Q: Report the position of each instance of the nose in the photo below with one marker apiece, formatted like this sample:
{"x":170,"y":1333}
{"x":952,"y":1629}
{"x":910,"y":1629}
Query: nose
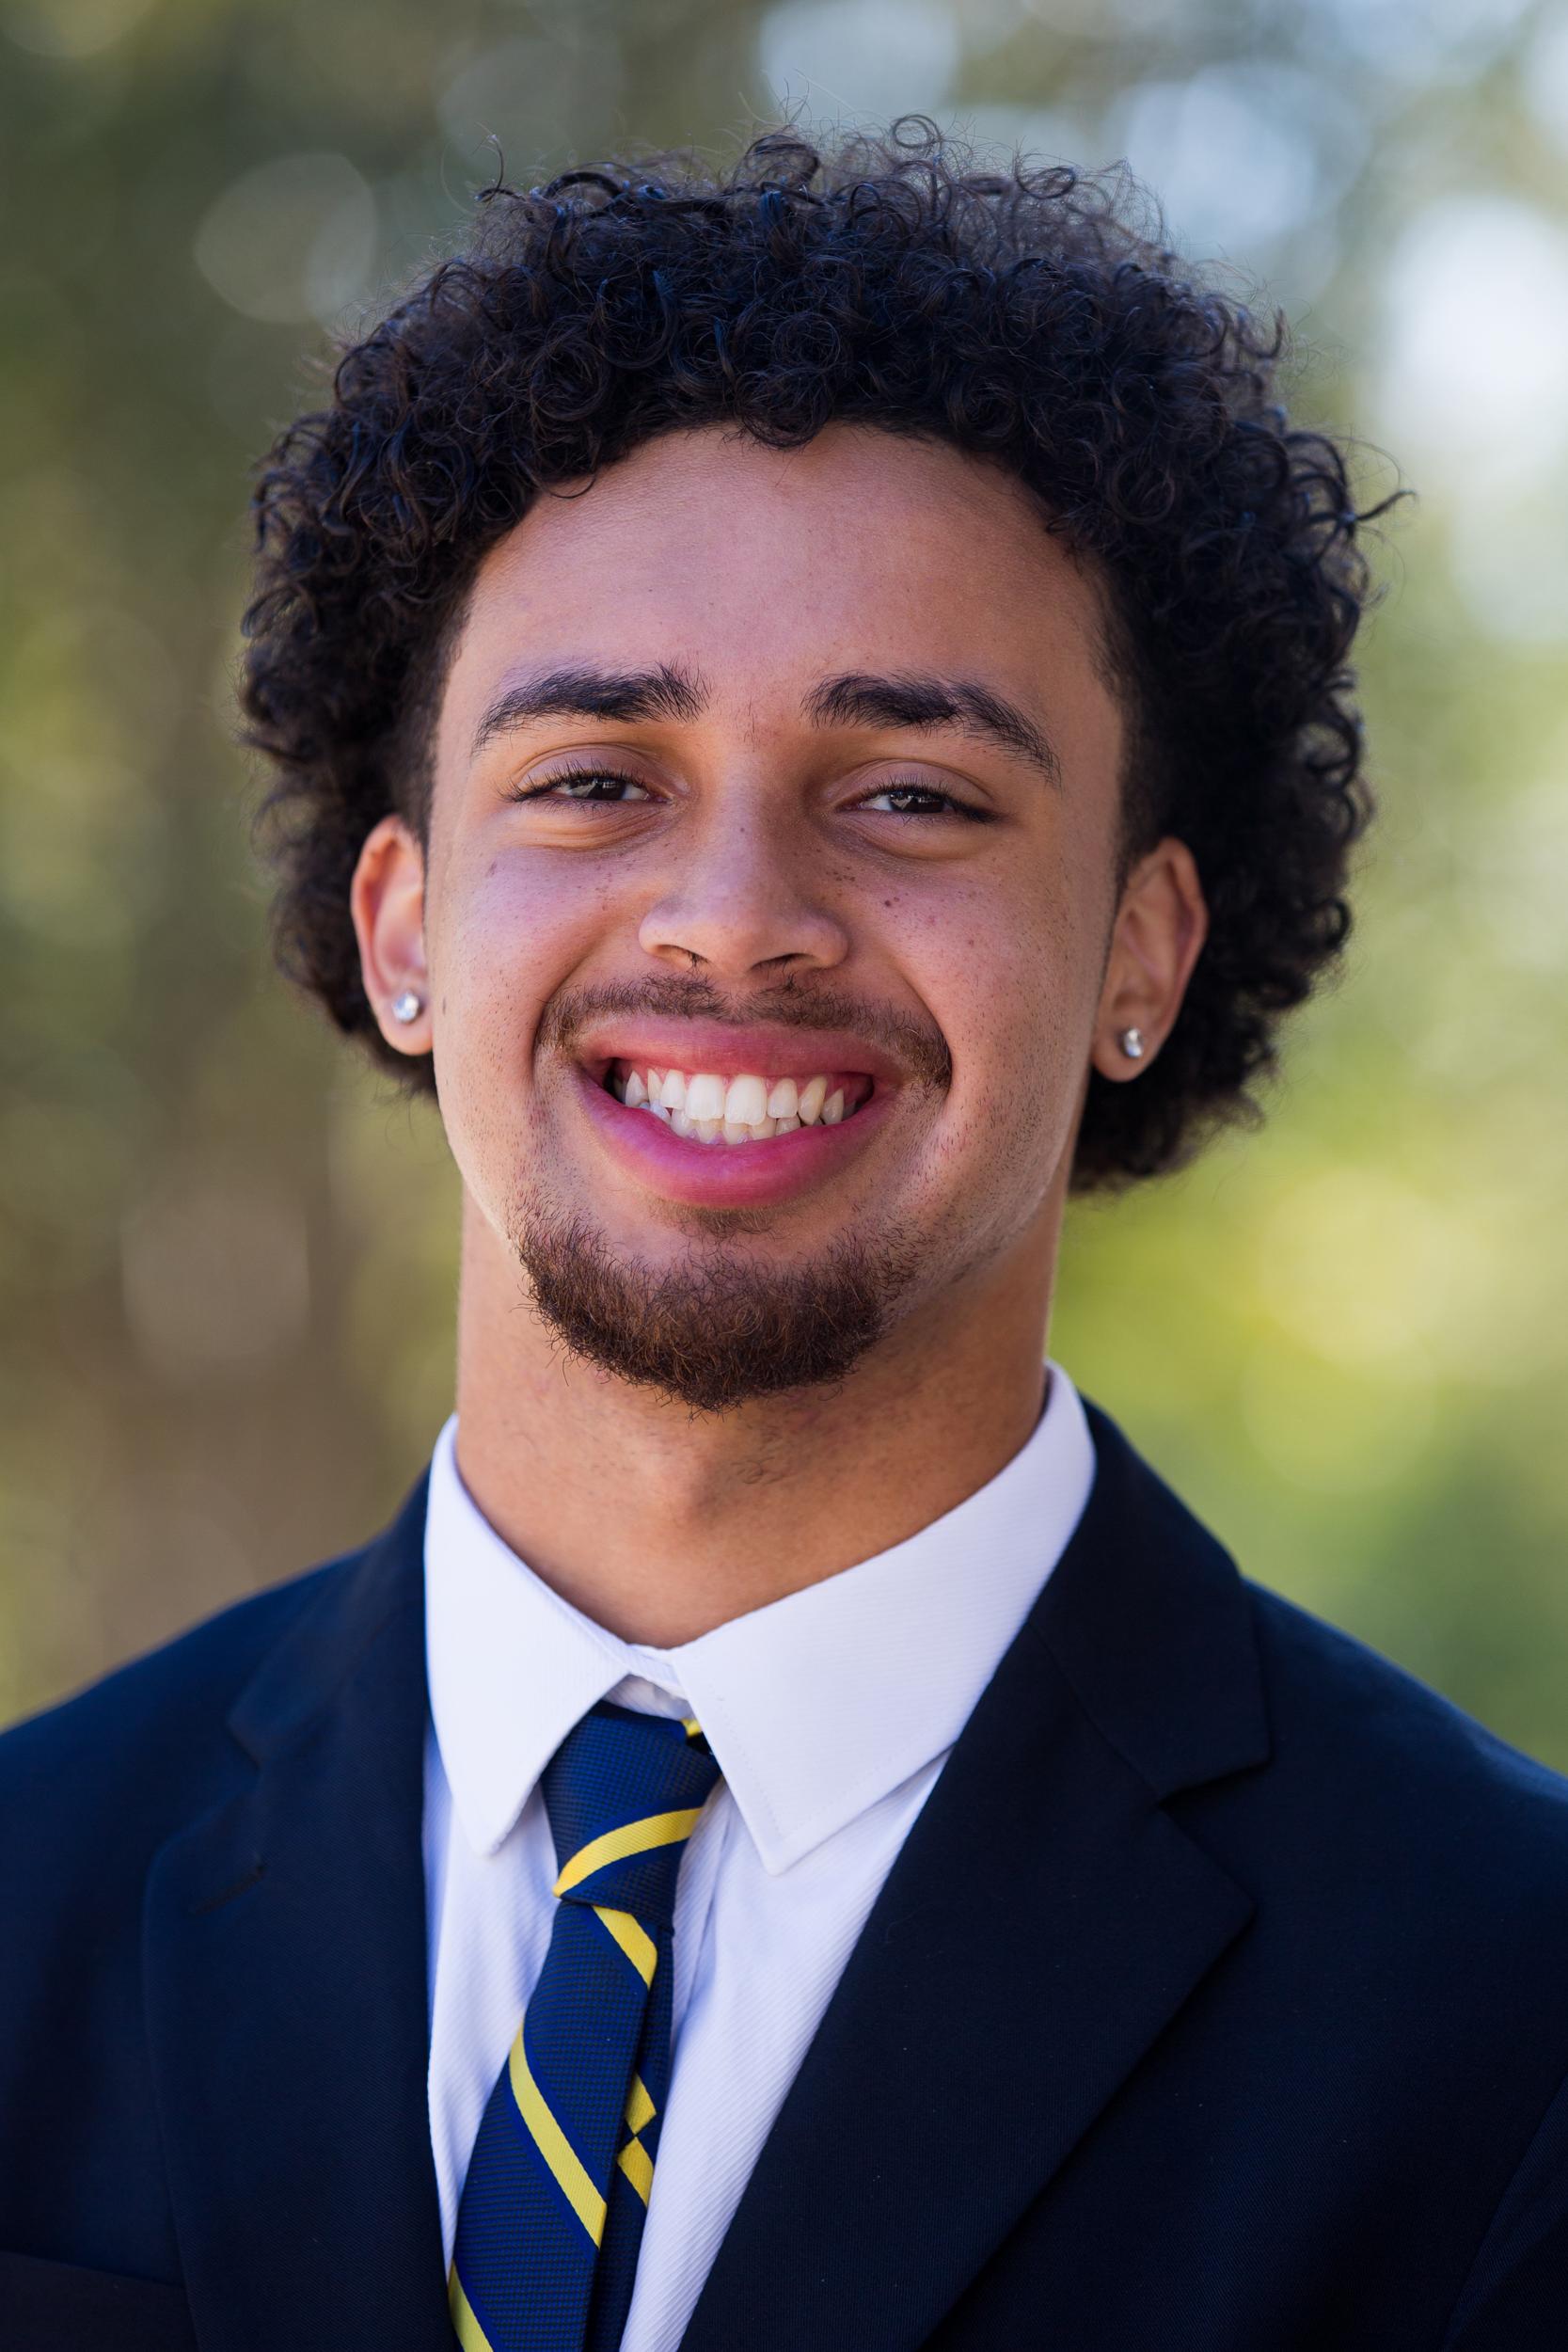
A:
{"x":744,"y":903}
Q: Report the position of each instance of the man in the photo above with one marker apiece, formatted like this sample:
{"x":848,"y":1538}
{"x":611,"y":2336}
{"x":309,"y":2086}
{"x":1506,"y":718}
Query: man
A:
{"x":811,"y":710}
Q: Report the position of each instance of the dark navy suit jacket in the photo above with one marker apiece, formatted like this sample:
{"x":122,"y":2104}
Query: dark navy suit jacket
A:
{"x":1217,"y":2002}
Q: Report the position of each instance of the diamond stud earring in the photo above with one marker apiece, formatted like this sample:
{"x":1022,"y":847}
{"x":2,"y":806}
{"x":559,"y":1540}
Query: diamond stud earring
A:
{"x":407,"y":1007}
{"x":1132,"y":1044}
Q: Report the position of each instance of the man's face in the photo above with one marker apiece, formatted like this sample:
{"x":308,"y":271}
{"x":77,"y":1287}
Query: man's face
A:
{"x":784,"y":783}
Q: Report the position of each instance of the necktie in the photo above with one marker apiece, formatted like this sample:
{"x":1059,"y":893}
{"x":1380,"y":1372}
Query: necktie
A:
{"x":551,"y":2214}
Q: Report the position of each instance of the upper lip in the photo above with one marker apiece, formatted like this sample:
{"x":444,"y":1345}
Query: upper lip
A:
{"x":766,"y":1050}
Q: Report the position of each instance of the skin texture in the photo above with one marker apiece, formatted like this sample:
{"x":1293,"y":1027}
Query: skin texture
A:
{"x":760,"y":878}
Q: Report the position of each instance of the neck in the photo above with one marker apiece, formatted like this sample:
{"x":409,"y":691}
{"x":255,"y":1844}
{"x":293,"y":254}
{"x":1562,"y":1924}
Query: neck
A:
{"x":659,"y":1524}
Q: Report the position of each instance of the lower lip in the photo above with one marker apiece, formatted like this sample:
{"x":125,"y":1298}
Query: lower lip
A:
{"x":724,"y":1175}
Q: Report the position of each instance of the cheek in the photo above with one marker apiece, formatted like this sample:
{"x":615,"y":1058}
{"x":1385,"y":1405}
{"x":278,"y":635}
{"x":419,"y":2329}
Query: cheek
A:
{"x":511,"y":931}
{"x":1012,"y":988}
{"x":514,"y":927}
{"x":1013,"y":984}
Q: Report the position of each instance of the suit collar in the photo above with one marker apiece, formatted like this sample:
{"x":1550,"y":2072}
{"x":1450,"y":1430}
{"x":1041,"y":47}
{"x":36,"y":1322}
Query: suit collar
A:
{"x":1043,"y":1926}
{"x":286,"y":2008}
{"x":1151,"y":1623}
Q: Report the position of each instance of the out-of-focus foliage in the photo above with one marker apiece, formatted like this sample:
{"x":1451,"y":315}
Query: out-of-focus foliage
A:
{"x":227,"y":1259}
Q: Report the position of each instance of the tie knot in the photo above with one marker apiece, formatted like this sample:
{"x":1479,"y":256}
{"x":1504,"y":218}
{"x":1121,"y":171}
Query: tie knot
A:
{"x":623,"y":1792}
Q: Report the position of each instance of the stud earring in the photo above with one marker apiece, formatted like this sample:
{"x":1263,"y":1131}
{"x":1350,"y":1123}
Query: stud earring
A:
{"x":407,"y":1007}
{"x":1132,"y":1044}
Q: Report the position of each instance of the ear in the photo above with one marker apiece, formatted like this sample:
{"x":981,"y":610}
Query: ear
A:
{"x":1158,"y":937}
{"x":387,"y":900}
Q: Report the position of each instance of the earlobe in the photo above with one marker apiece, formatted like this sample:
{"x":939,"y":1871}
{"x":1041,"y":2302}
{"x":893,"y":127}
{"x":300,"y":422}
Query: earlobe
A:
{"x":1160,"y":927}
{"x":387,"y":902}
{"x":1120,"y":1053}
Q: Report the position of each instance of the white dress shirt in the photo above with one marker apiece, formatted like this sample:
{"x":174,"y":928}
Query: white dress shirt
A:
{"x":831,"y":1713}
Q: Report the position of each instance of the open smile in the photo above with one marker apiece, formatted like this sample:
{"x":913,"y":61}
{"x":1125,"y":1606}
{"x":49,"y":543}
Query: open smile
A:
{"x":733,"y":1120}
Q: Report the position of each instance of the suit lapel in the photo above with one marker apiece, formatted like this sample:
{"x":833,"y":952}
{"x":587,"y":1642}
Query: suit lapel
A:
{"x":287,"y":1996}
{"x":1043,"y":1923}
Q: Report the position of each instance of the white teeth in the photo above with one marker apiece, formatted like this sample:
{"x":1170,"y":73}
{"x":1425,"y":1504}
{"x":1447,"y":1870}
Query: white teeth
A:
{"x":746,"y":1110}
{"x":746,"y":1100}
{"x":705,"y":1095}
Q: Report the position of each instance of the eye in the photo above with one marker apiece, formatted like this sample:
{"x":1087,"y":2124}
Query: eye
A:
{"x":923,"y":800}
{"x":594,"y":785}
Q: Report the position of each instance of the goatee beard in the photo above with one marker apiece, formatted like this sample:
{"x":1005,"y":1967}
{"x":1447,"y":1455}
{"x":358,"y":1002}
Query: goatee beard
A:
{"x":715,"y":1330}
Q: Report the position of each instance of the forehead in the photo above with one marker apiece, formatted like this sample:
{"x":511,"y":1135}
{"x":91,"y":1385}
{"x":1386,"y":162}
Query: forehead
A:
{"x":765,"y":569}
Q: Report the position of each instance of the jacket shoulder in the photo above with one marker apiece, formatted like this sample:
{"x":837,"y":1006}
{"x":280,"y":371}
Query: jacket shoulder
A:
{"x":1318,"y":1668}
{"x":1390,"y":1761}
{"x":97,"y":1780}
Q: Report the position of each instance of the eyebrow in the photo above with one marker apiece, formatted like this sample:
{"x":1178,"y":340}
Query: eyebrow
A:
{"x":909,"y":700}
{"x":582,"y":693}
{"x":855,"y":698}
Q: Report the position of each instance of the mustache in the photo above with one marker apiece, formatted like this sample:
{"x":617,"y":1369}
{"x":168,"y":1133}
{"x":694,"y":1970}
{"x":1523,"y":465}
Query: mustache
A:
{"x":918,"y":1044}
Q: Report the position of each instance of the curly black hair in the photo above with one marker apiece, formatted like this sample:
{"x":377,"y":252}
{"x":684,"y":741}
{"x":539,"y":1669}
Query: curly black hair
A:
{"x":1020,"y":314}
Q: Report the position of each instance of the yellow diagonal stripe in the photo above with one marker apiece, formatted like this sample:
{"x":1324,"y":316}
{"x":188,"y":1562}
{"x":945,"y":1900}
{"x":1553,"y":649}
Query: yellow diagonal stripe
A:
{"x":634,"y":1940}
{"x":640,"y":2109}
{"x":691,"y":1727}
{"x":637,"y":2166}
{"x":658,"y":1829}
{"x":470,"y":2335}
{"x":554,"y":2146}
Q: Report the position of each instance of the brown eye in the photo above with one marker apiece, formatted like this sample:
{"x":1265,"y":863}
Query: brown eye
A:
{"x":922,"y":801}
{"x":604,"y":785}
{"x":908,"y":800}
{"x":600,"y":786}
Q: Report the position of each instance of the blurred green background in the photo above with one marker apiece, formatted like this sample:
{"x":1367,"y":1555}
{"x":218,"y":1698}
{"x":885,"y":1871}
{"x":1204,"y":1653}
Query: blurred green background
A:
{"x":227,"y":1254}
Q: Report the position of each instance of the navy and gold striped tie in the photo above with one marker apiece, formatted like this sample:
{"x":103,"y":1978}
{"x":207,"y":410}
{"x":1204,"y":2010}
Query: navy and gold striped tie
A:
{"x":552,"y":2209}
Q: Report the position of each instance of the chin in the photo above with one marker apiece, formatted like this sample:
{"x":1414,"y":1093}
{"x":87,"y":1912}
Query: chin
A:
{"x":714,"y":1328}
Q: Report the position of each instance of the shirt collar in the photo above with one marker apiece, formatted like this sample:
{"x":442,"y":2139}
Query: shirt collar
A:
{"x":817,"y":1707}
